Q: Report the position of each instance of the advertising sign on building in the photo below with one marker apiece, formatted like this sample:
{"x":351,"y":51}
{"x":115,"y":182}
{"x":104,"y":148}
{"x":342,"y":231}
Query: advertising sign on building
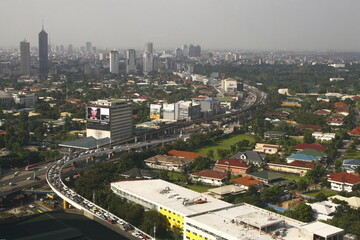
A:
{"x":169,"y":108}
{"x":96,"y":114}
{"x":155,"y":111}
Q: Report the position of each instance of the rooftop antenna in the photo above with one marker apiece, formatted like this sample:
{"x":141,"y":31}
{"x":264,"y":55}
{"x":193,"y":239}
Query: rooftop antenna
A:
{"x":42,"y":23}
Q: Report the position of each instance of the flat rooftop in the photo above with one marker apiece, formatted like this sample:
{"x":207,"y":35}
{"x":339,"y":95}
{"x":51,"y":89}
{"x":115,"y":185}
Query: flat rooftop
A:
{"x":153,"y":192}
{"x":244,"y":221}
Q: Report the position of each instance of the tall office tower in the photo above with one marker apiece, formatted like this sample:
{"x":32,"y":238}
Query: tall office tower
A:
{"x":70,"y":48}
{"x":185,"y":50}
{"x":148,"y":58}
{"x":149,"y":48}
{"x":109,"y":118}
{"x":197,"y":51}
{"x":88,"y":47}
{"x":148,"y":62}
{"x":114,"y":62}
{"x":191,"y":50}
{"x":178,"y":52}
{"x":62,"y":48}
{"x":25,"y":57}
{"x":130,"y":61}
{"x":43,"y":54}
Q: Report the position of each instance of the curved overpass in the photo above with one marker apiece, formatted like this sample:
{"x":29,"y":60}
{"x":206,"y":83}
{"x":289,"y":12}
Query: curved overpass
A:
{"x":54,"y":172}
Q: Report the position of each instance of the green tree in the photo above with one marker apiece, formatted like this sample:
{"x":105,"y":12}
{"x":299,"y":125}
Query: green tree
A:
{"x":154,"y":220}
{"x":302,"y":184}
{"x":302,"y":213}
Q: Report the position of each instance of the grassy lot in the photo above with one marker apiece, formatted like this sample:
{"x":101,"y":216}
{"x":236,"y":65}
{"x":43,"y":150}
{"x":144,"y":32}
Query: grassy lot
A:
{"x":313,"y":193}
{"x":355,"y":155}
{"x":290,"y":176}
{"x":197,"y":188}
{"x":224,"y":143}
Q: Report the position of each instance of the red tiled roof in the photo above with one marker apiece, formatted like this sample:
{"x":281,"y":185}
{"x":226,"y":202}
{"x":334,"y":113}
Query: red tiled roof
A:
{"x":340,"y":104}
{"x":211,"y":174}
{"x":184,"y":154}
{"x":233,"y":162}
{"x":355,"y":131}
{"x":344,"y":177}
{"x":297,"y":163}
{"x":246,"y":181}
{"x":315,"y":146}
{"x":321,"y":112}
{"x":356,"y":97}
{"x":336,"y":119}
{"x":324,"y":102}
{"x":312,"y":127}
{"x":342,"y":110}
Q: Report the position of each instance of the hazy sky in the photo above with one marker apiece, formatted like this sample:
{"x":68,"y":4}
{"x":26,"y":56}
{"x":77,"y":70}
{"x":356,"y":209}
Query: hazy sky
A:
{"x":221,"y":24}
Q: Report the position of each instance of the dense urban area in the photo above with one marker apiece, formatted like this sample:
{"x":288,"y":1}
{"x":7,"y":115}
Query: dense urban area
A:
{"x":188,"y":143}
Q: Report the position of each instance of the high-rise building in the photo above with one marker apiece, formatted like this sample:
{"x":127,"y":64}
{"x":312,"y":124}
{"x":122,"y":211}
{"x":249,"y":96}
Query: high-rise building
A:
{"x":114,"y":62}
{"x":43,"y":54}
{"x":185,"y":50}
{"x":149,"y":47}
{"x":70,"y":49}
{"x":25,"y":57}
{"x":197,"y":51}
{"x":130,"y":61}
{"x":148,"y":58}
{"x":88,"y":47}
{"x":191,"y":50}
{"x":109,"y":118}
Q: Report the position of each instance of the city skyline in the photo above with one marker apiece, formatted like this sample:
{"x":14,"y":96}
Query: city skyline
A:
{"x":232,"y":24}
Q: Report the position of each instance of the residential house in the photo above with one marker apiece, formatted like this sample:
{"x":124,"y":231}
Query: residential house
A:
{"x":295,"y":167}
{"x":169,"y":163}
{"x":274,"y":134}
{"x":355,"y":132}
{"x":320,"y":155}
{"x":343,"y":181}
{"x":316,"y":146}
{"x":301,"y":157}
{"x":209,"y":177}
{"x":350,"y":165}
{"x":313,"y":128}
{"x":269,"y":178}
{"x":232,"y":165}
{"x":322,"y":112}
{"x":353,"y":202}
{"x":335,"y":121}
{"x":246,"y":182}
{"x":323,"y":136}
{"x":268,"y":148}
{"x":251,"y":157}
{"x":323,"y":210}
{"x":184,"y":154}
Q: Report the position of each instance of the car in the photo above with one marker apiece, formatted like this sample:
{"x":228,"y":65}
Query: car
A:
{"x":11,"y":184}
{"x":31,"y":206}
{"x":28,"y":178}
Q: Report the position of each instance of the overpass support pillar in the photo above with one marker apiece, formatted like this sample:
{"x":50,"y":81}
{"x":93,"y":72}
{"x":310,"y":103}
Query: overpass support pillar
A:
{"x":65,"y":204}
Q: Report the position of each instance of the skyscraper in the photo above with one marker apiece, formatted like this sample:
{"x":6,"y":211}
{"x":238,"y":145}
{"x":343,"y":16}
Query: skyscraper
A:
{"x":43,"y":54}
{"x":25,"y":57}
{"x":148,"y":58}
{"x":88,"y":47}
{"x":130,"y":61}
{"x":114,"y":62}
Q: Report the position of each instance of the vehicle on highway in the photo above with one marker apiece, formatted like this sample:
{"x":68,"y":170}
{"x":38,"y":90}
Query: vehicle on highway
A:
{"x":28,"y":178}
{"x":30,"y":167}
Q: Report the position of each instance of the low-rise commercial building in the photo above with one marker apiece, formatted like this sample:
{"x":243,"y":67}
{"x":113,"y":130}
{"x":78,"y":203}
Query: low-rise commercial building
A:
{"x":204,"y":217}
{"x":169,"y":163}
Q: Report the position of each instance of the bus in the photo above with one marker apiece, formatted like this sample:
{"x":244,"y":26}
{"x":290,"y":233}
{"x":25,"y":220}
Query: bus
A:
{"x":30,"y":167}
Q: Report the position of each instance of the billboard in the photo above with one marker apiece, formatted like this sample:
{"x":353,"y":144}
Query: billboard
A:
{"x":97,"y":114}
{"x":169,"y":108}
{"x":155,"y":111}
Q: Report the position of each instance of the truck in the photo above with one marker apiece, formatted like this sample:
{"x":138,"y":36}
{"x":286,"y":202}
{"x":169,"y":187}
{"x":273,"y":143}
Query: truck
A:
{"x":30,"y":167}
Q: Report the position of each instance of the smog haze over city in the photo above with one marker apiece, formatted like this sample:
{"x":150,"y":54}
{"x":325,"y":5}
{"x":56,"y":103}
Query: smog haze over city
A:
{"x":229,"y":24}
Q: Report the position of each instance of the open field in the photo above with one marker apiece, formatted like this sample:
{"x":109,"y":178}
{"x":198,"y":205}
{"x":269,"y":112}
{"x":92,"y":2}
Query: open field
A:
{"x":313,"y":193}
{"x":224,"y":144}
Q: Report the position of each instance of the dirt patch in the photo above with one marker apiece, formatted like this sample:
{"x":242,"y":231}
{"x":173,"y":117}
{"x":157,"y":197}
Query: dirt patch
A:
{"x":290,"y":204}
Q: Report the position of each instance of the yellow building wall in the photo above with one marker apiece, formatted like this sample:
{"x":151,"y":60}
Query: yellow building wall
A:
{"x":195,"y":236}
{"x":175,"y":219}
